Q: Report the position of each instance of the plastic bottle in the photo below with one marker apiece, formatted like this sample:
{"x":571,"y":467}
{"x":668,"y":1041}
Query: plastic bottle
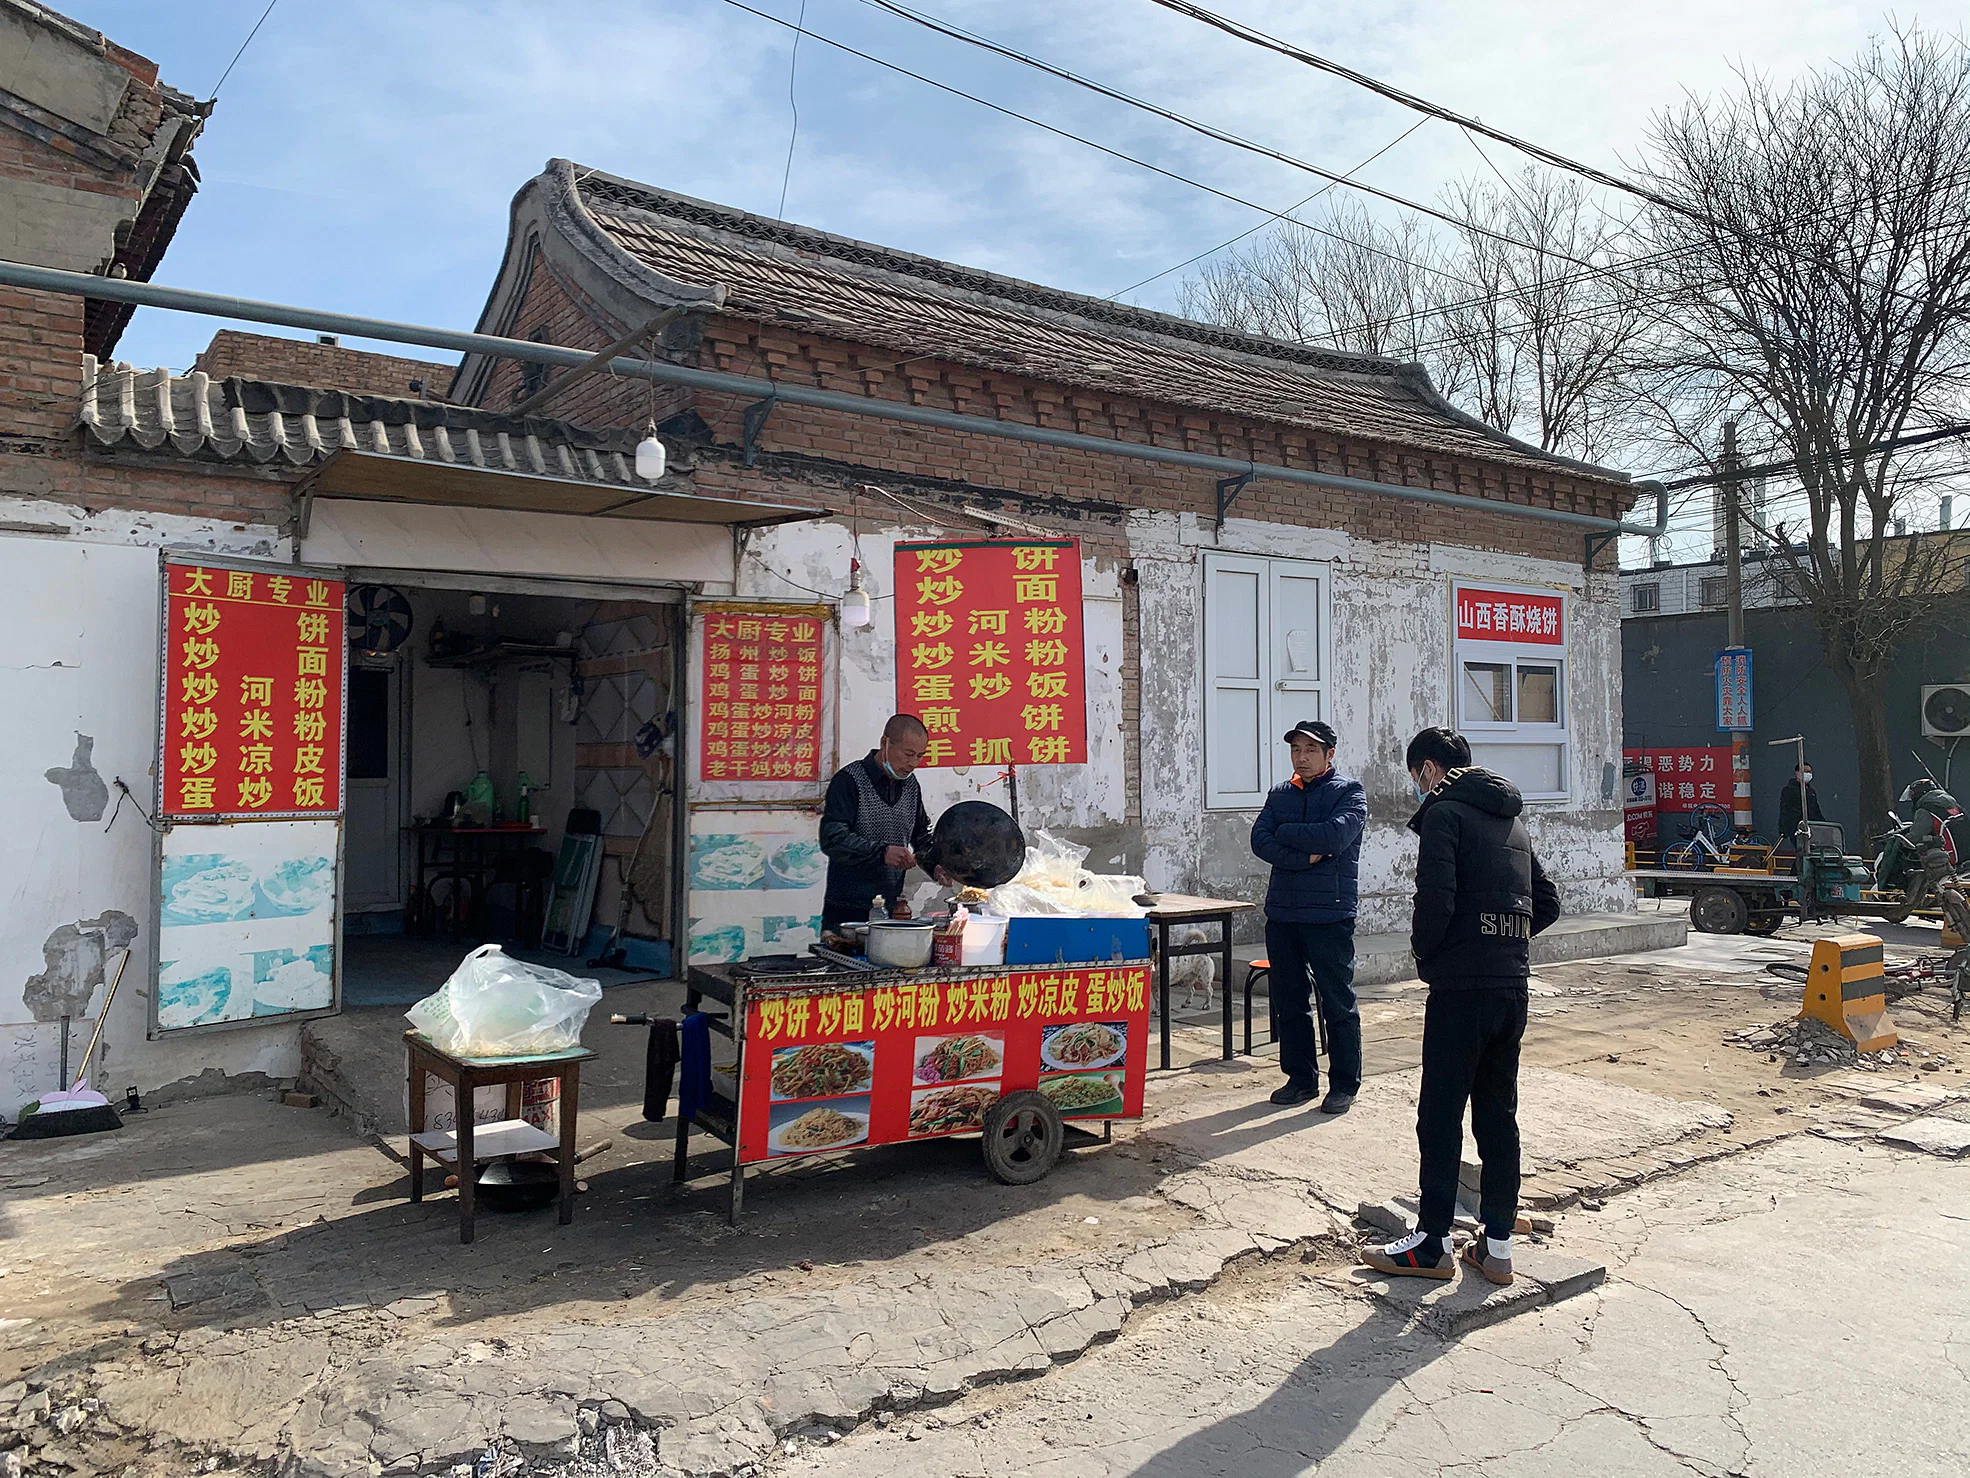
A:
{"x":525,"y":812}
{"x":878,"y":912}
{"x":480,"y":800}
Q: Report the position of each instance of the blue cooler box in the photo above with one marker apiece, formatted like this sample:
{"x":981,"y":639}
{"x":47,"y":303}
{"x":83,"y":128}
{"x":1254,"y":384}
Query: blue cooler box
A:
{"x":1046,"y":940}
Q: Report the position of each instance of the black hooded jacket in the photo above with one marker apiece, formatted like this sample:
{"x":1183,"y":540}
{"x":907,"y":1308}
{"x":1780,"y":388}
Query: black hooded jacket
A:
{"x":1480,"y":893}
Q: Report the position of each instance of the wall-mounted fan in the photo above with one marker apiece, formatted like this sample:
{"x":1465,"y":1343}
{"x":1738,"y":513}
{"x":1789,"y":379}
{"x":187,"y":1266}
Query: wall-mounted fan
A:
{"x":379,"y":619}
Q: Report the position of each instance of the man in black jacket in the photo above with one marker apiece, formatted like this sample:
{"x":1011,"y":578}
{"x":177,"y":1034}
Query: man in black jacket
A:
{"x":1797,"y":802}
{"x":874,"y":824}
{"x":1480,"y":897}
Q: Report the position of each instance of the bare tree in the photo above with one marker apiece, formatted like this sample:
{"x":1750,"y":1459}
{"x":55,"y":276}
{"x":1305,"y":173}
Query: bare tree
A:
{"x":1816,"y":284}
{"x":1523,"y":314}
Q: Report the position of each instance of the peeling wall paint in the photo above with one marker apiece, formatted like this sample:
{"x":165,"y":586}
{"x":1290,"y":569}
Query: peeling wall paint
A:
{"x":83,"y":792}
{"x":1391,"y":675}
{"x":83,"y":661}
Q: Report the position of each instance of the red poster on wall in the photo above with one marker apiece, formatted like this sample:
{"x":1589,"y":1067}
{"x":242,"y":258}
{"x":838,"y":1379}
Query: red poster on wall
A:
{"x":1687,"y":777}
{"x":829,"y":1070}
{"x":989,"y":652}
{"x":761,"y":715}
{"x":253,"y":693}
{"x":1510,"y":616}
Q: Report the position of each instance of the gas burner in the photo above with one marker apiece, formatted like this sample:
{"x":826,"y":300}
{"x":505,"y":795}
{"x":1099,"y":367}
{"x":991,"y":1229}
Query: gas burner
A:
{"x":785,"y":967}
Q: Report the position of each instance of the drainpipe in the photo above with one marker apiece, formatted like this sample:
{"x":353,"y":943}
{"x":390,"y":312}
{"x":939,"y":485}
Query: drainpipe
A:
{"x":767,"y":392}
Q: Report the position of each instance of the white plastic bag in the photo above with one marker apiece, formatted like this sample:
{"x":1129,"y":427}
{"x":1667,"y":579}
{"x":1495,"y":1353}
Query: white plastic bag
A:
{"x":1054,"y":881}
{"x":497,"y":1006}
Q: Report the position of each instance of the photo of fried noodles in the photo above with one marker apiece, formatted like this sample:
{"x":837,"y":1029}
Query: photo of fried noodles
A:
{"x":822,"y":1126}
{"x":824,"y":1071}
{"x":950,"y":1110}
{"x":953,"y":1059}
{"x":1084,"y":1044}
{"x":1083,"y":1091}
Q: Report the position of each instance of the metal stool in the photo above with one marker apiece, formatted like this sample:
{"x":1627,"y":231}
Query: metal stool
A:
{"x":1264,"y":967}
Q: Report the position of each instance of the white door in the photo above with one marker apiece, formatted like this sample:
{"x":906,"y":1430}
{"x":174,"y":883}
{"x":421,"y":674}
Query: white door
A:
{"x":1265,"y":669}
{"x":373,"y":789}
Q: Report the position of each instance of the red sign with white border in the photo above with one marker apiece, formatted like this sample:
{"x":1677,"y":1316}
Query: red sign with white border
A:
{"x":1510,"y":616}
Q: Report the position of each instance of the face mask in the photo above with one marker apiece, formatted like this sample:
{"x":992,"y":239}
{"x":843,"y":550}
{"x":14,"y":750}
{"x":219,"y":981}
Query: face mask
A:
{"x":890,"y":770}
{"x":1422,"y":790}
{"x":1806,"y":778}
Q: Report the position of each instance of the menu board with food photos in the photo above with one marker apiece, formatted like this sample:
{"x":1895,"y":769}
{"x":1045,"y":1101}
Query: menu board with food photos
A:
{"x":833,"y":1069}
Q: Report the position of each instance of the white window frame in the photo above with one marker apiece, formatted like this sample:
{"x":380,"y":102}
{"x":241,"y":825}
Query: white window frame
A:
{"x":1487,"y":734}
{"x":1282,"y":698}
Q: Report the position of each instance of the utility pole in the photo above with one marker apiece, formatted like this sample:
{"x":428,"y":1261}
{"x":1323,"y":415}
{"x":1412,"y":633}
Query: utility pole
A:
{"x":1734,"y":608}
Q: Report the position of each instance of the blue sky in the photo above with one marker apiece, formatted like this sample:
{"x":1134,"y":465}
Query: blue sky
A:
{"x":363,"y":154}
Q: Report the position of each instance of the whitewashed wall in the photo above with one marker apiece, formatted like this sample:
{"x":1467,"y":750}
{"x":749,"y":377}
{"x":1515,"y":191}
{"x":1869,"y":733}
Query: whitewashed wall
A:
{"x":81,"y":664}
{"x":1391,"y":675}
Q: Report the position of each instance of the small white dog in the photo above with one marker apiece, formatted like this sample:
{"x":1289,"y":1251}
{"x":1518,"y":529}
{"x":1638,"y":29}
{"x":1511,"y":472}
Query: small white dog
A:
{"x":1195,"y":974}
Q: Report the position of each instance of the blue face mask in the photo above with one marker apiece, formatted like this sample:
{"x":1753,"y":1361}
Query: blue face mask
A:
{"x":1422,"y":790}
{"x":889,"y":770}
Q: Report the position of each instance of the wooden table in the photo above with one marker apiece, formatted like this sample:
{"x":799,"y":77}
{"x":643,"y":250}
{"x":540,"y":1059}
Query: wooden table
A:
{"x":469,"y":856}
{"x":1177,"y":908}
{"x":470,"y":1143}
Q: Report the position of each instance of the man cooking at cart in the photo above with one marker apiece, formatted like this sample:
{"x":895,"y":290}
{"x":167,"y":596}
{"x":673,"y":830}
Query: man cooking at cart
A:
{"x":874,"y":824}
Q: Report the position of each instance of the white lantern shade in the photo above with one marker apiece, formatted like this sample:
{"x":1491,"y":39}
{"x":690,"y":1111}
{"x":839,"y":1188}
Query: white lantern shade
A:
{"x":650,"y":458}
{"x":855,"y":607}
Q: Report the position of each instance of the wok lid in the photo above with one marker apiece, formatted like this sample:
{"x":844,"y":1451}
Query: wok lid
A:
{"x":977,"y":845}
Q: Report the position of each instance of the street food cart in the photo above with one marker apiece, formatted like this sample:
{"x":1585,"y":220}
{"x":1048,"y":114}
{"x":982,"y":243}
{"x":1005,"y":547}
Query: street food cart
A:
{"x":816,"y":1056}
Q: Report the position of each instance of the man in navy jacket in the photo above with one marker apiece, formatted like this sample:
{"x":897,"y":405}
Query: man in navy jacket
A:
{"x":1310,"y":831}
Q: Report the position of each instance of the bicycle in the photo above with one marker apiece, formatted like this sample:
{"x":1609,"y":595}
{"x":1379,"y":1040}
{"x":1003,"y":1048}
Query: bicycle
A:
{"x":1898,"y":980}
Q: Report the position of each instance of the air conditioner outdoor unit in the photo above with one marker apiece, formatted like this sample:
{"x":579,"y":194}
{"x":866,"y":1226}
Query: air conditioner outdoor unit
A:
{"x":1946,"y":711}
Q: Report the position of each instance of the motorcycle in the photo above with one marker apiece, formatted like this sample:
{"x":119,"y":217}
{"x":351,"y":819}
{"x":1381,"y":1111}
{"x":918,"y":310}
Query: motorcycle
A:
{"x":1910,"y":866}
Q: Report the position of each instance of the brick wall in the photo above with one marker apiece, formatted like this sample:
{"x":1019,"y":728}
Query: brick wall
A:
{"x":330,"y":366}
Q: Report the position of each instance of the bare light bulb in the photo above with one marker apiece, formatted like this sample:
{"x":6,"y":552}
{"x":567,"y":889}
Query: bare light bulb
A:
{"x":855,"y":604}
{"x":650,"y":456}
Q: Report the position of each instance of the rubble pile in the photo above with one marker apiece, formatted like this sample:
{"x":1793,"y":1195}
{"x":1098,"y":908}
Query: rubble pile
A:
{"x":1810,"y":1043}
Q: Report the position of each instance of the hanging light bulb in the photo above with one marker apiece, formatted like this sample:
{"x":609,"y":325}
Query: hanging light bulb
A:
{"x":855,"y":604}
{"x":650,"y":455}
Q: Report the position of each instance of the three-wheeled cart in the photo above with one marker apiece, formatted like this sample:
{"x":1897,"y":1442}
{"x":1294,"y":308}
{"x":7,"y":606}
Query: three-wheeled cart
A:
{"x":814,"y":1056}
{"x":1762,"y":889}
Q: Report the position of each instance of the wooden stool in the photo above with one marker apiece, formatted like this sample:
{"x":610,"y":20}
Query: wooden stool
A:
{"x":470,"y":1145}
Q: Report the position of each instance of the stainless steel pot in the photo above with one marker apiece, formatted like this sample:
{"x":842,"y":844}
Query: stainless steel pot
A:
{"x":900,"y":945}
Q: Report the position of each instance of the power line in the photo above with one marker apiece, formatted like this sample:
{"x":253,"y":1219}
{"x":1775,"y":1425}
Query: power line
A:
{"x":1207,"y":130}
{"x":1112,"y":153}
{"x":1261,"y":225}
{"x":1536,"y":151}
{"x":793,"y":104}
{"x":242,"y":48}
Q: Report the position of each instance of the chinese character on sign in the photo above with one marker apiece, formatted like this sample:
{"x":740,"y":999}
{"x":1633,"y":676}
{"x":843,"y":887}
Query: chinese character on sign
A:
{"x":761,"y":718}
{"x":231,"y":724}
{"x":990,"y":650}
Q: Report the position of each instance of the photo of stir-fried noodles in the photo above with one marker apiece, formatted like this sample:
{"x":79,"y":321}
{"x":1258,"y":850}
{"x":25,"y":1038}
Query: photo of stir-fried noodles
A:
{"x":952,"y":1109}
{"x":824,"y":1071}
{"x":1082,"y":1091}
{"x":959,"y":1057}
{"x":1085,"y":1044}
{"x":818,"y":1129}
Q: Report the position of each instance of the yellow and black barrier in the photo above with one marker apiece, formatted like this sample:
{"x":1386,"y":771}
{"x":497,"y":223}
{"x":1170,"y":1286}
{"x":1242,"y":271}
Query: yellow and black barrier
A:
{"x":1846,"y":987}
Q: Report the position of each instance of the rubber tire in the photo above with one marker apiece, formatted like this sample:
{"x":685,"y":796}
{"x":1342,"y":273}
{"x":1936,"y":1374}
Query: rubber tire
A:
{"x":1023,"y":1136}
{"x":1718,"y":911}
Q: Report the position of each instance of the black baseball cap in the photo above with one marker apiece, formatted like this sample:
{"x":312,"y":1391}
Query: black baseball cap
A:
{"x":1320,"y":733}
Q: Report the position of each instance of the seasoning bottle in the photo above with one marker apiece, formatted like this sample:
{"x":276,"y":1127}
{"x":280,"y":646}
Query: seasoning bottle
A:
{"x":878,"y":912}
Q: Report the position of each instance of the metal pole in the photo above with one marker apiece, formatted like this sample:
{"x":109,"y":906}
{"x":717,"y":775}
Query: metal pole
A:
{"x":1734,"y":609}
{"x":150,"y":294}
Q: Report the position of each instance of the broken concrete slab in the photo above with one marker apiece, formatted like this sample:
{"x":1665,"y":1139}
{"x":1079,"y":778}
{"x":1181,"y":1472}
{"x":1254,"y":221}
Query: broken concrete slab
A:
{"x":1467,"y":1302}
{"x":1907,"y":1098}
{"x":1949,"y":1138}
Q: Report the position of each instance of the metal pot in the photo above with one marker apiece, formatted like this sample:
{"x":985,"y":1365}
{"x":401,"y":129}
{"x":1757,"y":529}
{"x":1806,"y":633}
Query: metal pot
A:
{"x":977,"y":845}
{"x":900,"y":944}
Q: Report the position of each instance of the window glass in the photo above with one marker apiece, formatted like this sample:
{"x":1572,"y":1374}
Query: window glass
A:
{"x":1487,"y":693}
{"x":1539,"y":693}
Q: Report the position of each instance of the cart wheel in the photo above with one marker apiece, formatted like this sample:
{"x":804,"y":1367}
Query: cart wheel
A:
{"x":1023,"y":1135}
{"x":1719,"y":911}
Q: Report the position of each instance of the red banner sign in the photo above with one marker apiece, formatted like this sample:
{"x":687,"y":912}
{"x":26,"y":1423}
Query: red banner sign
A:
{"x":762,"y":705}
{"x":1510,"y":616}
{"x":831,"y":1070}
{"x":989,"y":651}
{"x":253,"y":685}
{"x":1688,"y":777}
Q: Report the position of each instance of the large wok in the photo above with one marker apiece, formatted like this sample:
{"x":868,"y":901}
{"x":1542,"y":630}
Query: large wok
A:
{"x":977,"y":845}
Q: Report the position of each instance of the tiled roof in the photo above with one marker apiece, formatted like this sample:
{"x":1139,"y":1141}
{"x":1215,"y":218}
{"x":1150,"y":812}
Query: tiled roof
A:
{"x":235,"y":420}
{"x":808,"y":280}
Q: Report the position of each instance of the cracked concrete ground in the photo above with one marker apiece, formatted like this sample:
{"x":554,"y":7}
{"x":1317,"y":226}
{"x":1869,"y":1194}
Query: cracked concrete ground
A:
{"x":243,"y":1283}
{"x":1798,"y":1311}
